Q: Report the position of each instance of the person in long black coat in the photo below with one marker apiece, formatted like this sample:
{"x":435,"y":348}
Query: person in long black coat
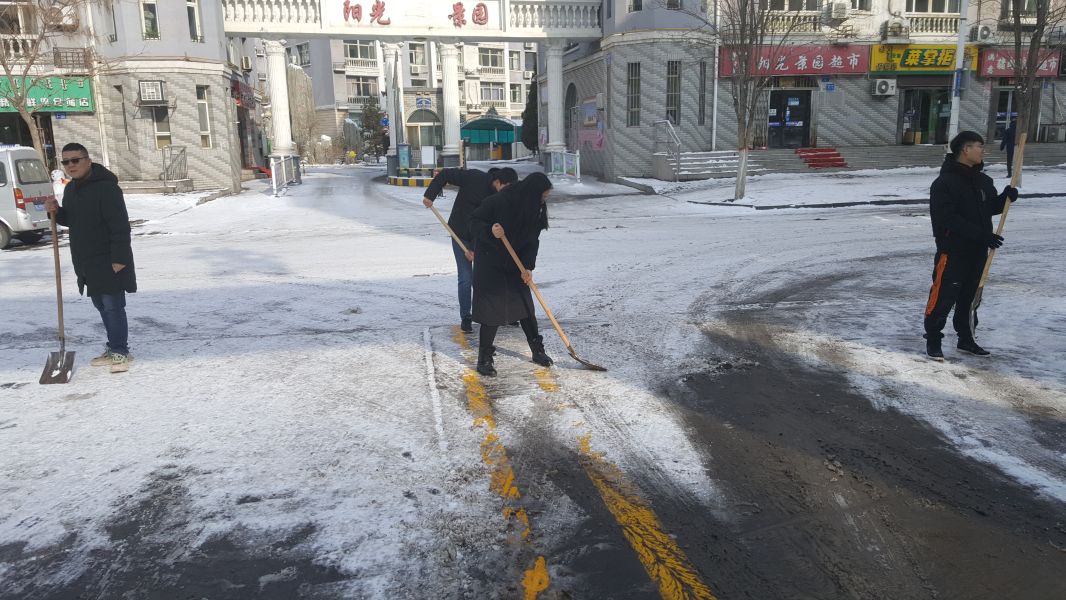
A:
{"x":501,"y":290}
{"x":474,"y":186}
{"x":94,"y":211}
{"x":1008,"y":144}
{"x":962,"y":202}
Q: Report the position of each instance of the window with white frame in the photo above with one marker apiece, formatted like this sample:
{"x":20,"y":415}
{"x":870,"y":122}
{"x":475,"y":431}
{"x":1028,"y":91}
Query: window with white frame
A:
{"x":673,"y":4}
{"x":492,"y":92}
{"x":490,"y":57}
{"x":633,"y":95}
{"x":416,"y":54}
{"x":419,"y":83}
{"x":192,"y":9}
{"x":933,"y":6}
{"x":863,"y":5}
{"x":360,"y":49}
{"x":515,"y":60}
{"x":516,"y":93}
{"x":793,"y":4}
{"x":18,"y":18}
{"x":673,"y":91}
{"x":149,"y":20}
{"x":161,"y":125}
{"x":635,"y":5}
{"x":362,"y":87}
{"x":302,"y":54}
{"x":203,"y":110}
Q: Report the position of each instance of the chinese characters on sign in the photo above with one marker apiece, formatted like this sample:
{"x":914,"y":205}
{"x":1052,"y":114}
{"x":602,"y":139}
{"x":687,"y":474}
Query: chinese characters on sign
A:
{"x":801,"y":60}
{"x":997,"y":62}
{"x":918,"y":58}
{"x":354,"y":12}
{"x":480,"y":15}
{"x":49,"y":94}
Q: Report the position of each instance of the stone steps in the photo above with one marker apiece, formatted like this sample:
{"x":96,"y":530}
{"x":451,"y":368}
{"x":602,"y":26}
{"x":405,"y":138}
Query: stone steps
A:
{"x":156,"y":187}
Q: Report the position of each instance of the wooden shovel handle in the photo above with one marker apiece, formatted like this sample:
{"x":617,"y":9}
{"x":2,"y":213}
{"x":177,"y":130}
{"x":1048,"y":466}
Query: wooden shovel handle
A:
{"x":446,"y":226}
{"x":59,"y":279}
{"x":1017,"y":168}
{"x":540,"y":298}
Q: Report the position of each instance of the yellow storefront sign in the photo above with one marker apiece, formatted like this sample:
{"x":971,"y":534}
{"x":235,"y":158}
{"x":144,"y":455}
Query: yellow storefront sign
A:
{"x":918,"y":58}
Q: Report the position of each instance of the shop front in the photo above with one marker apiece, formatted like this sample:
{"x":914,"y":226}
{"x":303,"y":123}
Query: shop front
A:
{"x":924,"y":77}
{"x":999,"y":66}
{"x":244,"y":97}
{"x":50,"y":98}
{"x":796,"y":74}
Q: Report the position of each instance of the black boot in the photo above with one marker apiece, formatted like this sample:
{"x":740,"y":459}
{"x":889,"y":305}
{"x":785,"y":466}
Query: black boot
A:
{"x":933,"y":349}
{"x":466,"y":325}
{"x":536,"y":345}
{"x":968,"y":345}
{"x":484,"y":361}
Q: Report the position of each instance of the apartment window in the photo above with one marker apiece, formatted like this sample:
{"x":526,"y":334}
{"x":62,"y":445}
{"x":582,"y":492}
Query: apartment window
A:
{"x":363,"y":87}
{"x":150,"y":18}
{"x":203,"y":110}
{"x":515,"y":60}
{"x":420,"y":83}
{"x":673,"y":91}
{"x":635,"y":5}
{"x":416,"y":54}
{"x":609,"y":8}
{"x":161,"y":124}
{"x":673,"y":4}
{"x":192,"y":8}
{"x":491,"y":91}
{"x":863,"y":5}
{"x":933,"y":6}
{"x":302,"y":54}
{"x":125,"y":122}
{"x":702,"y":109}
{"x":18,"y":19}
{"x":633,"y":95}
{"x":360,"y":49}
{"x":516,"y":93}
{"x":794,"y":4}
{"x":490,"y":57}
{"x":1006,"y":10}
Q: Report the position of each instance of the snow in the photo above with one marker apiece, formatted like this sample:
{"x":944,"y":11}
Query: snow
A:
{"x":299,"y":350}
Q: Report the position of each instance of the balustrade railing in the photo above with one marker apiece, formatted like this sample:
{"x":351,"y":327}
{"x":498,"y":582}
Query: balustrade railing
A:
{"x":933,"y":24}
{"x":795,"y":22}
{"x":531,"y":14}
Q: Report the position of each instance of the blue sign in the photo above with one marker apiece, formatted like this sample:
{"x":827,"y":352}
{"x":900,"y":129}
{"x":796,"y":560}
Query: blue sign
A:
{"x":830,"y":87}
{"x":60,"y":115}
{"x":423,"y":102}
{"x":384,"y":121}
{"x":826,"y":79}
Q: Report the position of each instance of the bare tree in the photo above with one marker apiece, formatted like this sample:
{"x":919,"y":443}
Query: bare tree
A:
{"x":1032,"y":21}
{"x":31,"y":53}
{"x":750,"y":32}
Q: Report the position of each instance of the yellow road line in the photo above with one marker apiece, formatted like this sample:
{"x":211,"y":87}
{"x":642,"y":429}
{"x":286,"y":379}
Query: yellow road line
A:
{"x":501,"y":474}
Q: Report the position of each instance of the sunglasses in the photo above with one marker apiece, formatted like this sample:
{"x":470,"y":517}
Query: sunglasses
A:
{"x":72,"y":161}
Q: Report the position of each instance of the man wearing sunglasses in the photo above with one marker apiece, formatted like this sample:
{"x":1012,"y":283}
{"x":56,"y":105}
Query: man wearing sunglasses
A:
{"x":94,"y":211}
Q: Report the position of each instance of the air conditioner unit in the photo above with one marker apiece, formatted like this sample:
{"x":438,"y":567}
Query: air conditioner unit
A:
{"x":262,"y":77}
{"x":527,"y":74}
{"x":530,"y":46}
{"x":261,"y":53}
{"x":418,"y":69}
{"x":840,"y":11}
{"x":884,"y":87}
{"x":246,"y":63}
{"x":982,"y":34}
{"x":151,"y":92}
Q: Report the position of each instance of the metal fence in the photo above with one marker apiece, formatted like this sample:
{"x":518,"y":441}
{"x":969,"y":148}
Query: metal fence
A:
{"x":284,"y":171}
{"x":175,"y":166}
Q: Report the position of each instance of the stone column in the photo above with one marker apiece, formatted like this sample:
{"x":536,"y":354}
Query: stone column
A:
{"x":392,"y":88}
{"x":554,"y":59}
{"x":449,"y":64}
{"x":277,"y":75}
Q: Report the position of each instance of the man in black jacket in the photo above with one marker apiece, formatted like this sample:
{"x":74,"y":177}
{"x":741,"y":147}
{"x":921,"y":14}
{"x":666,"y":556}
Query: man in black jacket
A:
{"x":1008,"y":145}
{"x":474,"y":186}
{"x":99,"y":226}
{"x":962,"y":202}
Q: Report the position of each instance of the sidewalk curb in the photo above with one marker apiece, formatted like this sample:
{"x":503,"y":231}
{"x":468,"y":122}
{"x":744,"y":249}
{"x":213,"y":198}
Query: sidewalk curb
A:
{"x":899,"y":202}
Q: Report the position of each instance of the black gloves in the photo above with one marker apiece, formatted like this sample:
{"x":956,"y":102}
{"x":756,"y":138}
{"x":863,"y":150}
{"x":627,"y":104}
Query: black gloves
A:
{"x":993,"y":241}
{"x":1011,"y":192}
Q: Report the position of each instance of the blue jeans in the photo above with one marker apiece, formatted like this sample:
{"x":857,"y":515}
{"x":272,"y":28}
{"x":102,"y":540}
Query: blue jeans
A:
{"x":112,"y":309}
{"x":466,"y":279}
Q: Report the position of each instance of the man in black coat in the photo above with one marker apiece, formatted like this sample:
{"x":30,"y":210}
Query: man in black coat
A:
{"x":1008,"y":144}
{"x":962,"y":202}
{"x":99,"y":228}
{"x":474,"y":186}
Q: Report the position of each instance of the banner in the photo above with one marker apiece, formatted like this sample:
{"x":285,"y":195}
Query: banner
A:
{"x":802,"y":60}
{"x":1000,"y":62}
{"x":918,"y":59}
{"x":590,"y":128}
{"x":51,"y":94}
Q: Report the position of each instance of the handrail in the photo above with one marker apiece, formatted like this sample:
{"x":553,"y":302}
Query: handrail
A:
{"x":175,"y":165}
{"x":284,"y":171}
{"x":676,"y":142}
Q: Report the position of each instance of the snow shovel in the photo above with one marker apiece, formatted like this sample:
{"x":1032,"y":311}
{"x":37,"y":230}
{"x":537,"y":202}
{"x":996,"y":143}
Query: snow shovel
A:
{"x":440,"y":218}
{"x":1014,"y":181}
{"x":548,"y":311}
{"x":60,"y":364}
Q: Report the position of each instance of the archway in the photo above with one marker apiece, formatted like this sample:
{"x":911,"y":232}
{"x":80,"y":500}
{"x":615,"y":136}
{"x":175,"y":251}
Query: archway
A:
{"x":424,"y":129}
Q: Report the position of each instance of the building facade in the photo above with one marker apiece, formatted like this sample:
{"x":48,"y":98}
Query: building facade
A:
{"x":167,"y":95}
{"x":852,"y":73}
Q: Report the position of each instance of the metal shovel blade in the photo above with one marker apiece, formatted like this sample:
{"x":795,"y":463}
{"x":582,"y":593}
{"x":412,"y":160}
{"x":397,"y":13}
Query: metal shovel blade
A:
{"x":59,"y":368}
{"x":587,"y":364}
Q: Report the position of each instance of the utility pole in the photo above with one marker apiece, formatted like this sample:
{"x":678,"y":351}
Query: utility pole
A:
{"x":960,"y":58}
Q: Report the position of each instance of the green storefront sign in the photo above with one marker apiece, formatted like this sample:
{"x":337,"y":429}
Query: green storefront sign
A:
{"x":51,"y":94}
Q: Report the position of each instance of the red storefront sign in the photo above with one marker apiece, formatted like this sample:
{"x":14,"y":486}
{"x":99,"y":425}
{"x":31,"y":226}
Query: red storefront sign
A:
{"x":999,"y":62}
{"x":802,"y":60}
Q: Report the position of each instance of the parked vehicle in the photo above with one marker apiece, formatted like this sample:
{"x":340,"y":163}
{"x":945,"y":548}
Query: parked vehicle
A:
{"x":25,"y":184}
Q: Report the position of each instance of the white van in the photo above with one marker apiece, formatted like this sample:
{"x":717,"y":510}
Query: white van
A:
{"x":24,"y":186}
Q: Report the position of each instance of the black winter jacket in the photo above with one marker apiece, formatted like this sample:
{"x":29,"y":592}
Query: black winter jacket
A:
{"x":95,"y":212}
{"x":962,"y":201}
{"x":500,"y":295}
{"x":474,"y":186}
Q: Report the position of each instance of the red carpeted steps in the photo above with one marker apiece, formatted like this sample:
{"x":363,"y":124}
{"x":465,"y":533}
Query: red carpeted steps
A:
{"x":821,"y":158}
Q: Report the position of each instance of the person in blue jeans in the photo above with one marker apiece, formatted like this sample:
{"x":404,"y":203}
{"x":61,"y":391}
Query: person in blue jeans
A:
{"x":474,"y":186}
{"x":94,"y":211}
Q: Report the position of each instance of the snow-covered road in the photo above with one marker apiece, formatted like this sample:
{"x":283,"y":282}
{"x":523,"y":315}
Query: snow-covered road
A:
{"x":302,"y":420}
